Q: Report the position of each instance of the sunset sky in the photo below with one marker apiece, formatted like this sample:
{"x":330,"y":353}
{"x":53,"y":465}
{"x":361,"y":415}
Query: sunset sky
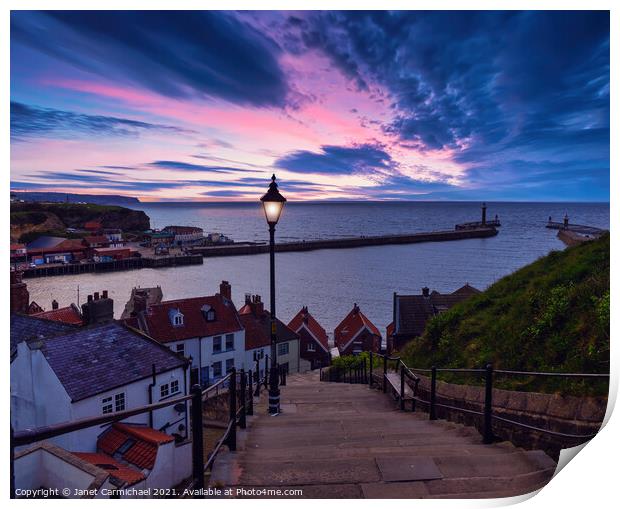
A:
{"x":340,"y":105}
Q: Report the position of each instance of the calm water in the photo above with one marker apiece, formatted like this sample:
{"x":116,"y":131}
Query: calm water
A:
{"x":330,"y":281}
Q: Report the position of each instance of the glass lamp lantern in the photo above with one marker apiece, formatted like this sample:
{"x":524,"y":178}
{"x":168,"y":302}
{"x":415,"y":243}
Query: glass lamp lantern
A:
{"x":273,"y":203}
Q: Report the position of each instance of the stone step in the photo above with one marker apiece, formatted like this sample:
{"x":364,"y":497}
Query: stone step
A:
{"x":336,"y":470}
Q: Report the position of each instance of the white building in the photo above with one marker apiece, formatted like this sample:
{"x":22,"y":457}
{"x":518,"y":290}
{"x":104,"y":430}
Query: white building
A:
{"x":61,"y":374}
{"x":185,"y":234}
{"x":206,"y":330}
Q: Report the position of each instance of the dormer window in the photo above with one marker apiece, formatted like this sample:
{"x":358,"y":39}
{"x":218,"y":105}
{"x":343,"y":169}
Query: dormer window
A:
{"x":176,"y":318}
{"x":208,"y":313}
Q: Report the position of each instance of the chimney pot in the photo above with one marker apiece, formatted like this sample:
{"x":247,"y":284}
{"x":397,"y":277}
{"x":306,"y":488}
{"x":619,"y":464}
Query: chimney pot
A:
{"x":96,"y":295}
{"x":54,"y":304}
{"x":89,"y":298}
{"x":425,"y":291}
{"x":105,"y":294}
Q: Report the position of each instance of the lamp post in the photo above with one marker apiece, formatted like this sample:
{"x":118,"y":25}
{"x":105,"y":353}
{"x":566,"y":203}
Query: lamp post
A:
{"x":273,"y":203}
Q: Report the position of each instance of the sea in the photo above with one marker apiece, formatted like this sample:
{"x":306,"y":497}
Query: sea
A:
{"x":329,"y":282}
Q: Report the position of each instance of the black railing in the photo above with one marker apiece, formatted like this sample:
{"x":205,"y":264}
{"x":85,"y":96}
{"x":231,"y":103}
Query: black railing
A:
{"x":239,"y":385}
{"x":356,"y":373}
{"x":486,"y":414}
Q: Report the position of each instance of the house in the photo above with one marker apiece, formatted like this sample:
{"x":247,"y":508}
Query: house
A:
{"x":411,"y":312}
{"x":256,"y":321}
{"x":313,"y":340}
{"x":356,"y":334}
{"x":140,"y":299}
{"x":92,"y":226}
{"x":49,"y":467}
{"x":109,"y":254}
{"x":46,"y":249}
{"x":61,"y":373}
{"x":155,"y":238}
{"x":185,"y":234}
{"x":114,"y":236}
{"x":19,"y":253}
{"x":141,"y":457}
{"x":93,"y":241}
{"x":206,"y":330}
{"x":70,"y":314}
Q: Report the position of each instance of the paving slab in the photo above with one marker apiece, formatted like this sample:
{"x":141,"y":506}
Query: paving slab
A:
{"x":420,"y":468}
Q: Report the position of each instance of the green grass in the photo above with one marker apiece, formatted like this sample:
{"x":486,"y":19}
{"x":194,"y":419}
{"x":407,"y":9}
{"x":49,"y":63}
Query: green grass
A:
{"x":552,"y":315}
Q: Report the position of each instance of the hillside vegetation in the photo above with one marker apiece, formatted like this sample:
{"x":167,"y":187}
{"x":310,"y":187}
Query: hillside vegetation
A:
{"x":552,"y":315}
{"x":29,"y":220}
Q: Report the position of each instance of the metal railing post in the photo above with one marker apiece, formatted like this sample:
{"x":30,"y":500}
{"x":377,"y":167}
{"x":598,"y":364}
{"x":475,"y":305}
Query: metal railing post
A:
{"x":402,"y":387}
{"x":250,"y":394}
{"x":415,"y":394}
{"x":384,"y":374}
{"x":232,"y":438}
{"x":431,"y":414}
{"x":257,"y":374}
{"x":365,"y":379}
{"x":197,"y":440}
{"x":370,"y":371}
{"x":266,"y":372}
{"x":488,"y":405}
{"x":243,"y":399}
{"x":282,"y":376}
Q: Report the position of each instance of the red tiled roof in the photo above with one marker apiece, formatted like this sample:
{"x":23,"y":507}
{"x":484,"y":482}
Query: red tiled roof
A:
{"x":258,"y":329}
{"x":143,"y":452}
{"x":69,"y":314}
{"x":123,"y":473}
{"x":305,"y":319}
{"x":66,"y":245}
{"x":157,"y":324}
{"x":351,"y":325}
{"x":96,"y":239}
{"x":17,"y":246}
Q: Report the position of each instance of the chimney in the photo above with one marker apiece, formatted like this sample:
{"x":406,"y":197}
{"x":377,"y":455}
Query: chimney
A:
{"x":304,"y":311}
{"x":248,"y":298}
{"x":356,"y":308}
{"x":98,"y":310}
{"x":54,"y":304}
{"x":226,"y":290}
{"x":259,"y":306}
{"x":425,"y":292}
{"x":484,"y":214}
{"x":139,"y":303}
{"x":19,"y":294}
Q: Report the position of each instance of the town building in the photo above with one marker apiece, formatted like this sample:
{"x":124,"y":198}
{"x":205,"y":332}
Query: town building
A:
{"x":19,"y":254}
{"x":114,"y":236}
{"x":110,"y":254}
{"x":93,"y":241}
{"x":61,"y":373}
{"x":357,"y":334}
{"x":157,"y":238}
{"x":140,"y":299}
{"x":313,"y":340}
{"x":70,"y":314}
{"x":46,"y":249}
{"x":256,"y":321}
{"x":412,"y":312}
{"x":93,"y":226}
{"x":185,"y":234}
{"x":206,"y":330}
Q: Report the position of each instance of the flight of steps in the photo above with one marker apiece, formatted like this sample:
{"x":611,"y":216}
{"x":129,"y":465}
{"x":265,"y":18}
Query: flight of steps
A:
{"x":337,"y":440}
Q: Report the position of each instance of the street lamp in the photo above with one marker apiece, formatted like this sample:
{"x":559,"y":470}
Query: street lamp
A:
{"x":273,"y":203}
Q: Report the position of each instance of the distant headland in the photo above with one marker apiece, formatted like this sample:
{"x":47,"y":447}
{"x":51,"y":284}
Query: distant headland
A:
{"x":99,"y":199}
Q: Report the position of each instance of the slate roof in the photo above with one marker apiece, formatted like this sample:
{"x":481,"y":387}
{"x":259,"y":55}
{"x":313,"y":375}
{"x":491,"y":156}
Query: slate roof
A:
{"x":351,"y":326}
{"x":304,"y":319}
{"x":258,"y":328}
{"x":27,"y":327}
{"x":413,"y":311}
{"x":45,"y":242}
{"x":97,"y":359}
{"x":143,"y":451}
{"x":155,"y":321}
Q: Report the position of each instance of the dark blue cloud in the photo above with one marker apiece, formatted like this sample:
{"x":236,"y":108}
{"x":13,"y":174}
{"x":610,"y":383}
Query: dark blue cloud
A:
{"x":333,"y":159}
{"x":181,"y":166}
{"x":32,"y":121}
{"x":179,"y":54}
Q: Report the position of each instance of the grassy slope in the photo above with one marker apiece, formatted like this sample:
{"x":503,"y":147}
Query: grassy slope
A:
{"x":552,"y":315}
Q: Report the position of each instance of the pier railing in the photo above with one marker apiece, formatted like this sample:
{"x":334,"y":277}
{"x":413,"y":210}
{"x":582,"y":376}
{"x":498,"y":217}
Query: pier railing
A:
{"x":409,"y":376}
{"x":239,"y":386}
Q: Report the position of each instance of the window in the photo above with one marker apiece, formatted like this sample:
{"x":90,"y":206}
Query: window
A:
{"x":127,"y":444}
{"x":208,"y":313}
{"x":311,"y":347}
{"x":230,"y":363}
{"x":217,"y":344}
{"x":111,"y":404}
{"x":230,"y":342}
{"x":217,"y":369}
{"x":174,"y":386}
{"x":164,"y":390}
{"x":181,"y":349}
{"x":282,"y":349}
{"x":176,"y":317}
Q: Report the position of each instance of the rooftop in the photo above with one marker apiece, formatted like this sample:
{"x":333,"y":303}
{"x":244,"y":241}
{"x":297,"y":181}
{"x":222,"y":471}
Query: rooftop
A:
{"x":70,"y":315}
{"x":352,"y":325}
{"x":304,"y":319}
{"x":257,"y":323}
{"x":123,"y":474}
{"x":135,"y":444}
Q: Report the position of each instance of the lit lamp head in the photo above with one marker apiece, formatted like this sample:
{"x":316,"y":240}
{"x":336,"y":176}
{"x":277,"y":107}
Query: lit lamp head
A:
{"x":273,"y":203}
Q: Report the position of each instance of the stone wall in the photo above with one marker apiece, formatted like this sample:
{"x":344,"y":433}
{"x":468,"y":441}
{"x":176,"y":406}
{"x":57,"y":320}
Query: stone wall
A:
{"x":565,"y":414}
